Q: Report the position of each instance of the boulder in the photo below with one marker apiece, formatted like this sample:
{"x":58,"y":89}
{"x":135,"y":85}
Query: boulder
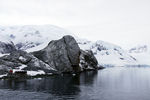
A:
{"x":62,"y":55}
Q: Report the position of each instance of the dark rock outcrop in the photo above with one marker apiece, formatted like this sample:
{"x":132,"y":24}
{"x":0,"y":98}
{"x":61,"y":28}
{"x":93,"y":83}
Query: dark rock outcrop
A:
{"x":19,"y":58}
{"x":88,"y":60}
{"x":7,"y":47}
{"x":62,"y":55}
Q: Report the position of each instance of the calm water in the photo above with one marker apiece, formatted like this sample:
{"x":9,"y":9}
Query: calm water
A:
{"x":116,"y":83}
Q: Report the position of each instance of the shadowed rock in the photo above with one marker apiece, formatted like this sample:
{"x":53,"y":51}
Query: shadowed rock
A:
{"x":88,"y":60}
{"x":62,"y":55}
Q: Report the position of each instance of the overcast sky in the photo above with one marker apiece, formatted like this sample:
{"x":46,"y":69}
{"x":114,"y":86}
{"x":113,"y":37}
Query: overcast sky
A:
{"x":122,"y":22}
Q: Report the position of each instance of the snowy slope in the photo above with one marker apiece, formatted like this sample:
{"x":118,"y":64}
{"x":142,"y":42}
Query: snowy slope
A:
{"x":108,"y":54}
{"x":141,"y":53}
{"x":25,"y":37}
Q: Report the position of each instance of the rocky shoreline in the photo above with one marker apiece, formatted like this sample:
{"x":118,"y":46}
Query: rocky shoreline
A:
{"x":60,"y":56}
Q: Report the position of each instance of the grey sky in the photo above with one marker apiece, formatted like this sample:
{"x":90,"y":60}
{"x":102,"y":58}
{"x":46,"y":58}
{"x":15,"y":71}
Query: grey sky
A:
{"x":121,"y":22}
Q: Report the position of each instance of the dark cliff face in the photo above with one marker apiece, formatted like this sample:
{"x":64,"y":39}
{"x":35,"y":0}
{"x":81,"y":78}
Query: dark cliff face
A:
{"x":6,"y":47}
{"x":62,"y":55}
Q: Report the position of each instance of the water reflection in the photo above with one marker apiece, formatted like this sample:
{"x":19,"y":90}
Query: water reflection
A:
{"x":57,"y":85}
{"x":88,"y":78}
{"x":116,"y":83}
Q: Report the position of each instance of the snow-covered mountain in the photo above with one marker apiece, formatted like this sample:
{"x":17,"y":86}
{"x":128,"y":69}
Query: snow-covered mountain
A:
{"x":108,"y":54}
{"x":33,"y":38}
{"x":141,"y":53}
{"x":28,"y":36}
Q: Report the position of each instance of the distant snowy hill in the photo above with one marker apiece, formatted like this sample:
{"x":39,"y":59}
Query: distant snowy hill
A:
{"x":28,"y":36}
{"x":141,"y":53}
{"x":108,"y":54}
{"x":139,"y":49}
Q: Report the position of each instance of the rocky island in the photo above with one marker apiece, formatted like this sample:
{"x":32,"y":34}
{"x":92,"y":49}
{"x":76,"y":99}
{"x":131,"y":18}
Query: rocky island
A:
{"x":59,"y":56}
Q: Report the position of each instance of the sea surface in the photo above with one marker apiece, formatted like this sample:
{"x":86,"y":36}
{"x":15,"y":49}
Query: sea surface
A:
{"x":114,"y":83}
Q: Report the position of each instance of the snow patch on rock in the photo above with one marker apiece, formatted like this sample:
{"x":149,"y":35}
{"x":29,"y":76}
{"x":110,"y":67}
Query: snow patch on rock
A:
{"x":34,"y":73}
{"x":1,"y":76}
{"x":20,"y":68}
{"x":1,"y":55}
